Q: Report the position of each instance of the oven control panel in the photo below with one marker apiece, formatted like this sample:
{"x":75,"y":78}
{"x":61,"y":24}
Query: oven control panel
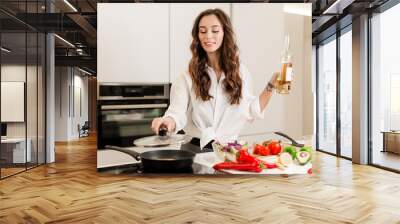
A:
{"x":123,"y":91}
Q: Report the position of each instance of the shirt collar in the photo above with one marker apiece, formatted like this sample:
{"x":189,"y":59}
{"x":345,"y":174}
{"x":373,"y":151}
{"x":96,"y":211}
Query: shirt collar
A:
{"x":213,"y":74}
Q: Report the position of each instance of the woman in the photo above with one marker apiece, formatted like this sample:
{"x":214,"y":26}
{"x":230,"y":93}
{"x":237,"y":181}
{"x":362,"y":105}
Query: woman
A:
{"x":213,"y":100}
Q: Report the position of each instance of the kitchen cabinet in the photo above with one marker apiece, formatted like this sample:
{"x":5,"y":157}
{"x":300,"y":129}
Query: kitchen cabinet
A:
{"x":182,"y":17}
{"x":133,"y":43}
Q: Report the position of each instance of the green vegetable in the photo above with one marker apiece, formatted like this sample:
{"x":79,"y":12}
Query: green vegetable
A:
{"x":303,"y":157}
{"x":291,"y":150}
{"x":306,"y":149}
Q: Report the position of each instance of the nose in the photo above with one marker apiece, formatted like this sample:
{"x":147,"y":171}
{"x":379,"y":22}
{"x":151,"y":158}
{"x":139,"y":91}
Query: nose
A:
{"x":209,"y":34}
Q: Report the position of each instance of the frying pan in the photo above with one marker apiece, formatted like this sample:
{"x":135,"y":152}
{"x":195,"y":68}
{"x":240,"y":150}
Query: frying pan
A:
{"x":160,"y":160}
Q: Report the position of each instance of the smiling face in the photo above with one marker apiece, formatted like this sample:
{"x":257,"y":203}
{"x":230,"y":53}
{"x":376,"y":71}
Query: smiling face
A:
{"x":211,"y":33}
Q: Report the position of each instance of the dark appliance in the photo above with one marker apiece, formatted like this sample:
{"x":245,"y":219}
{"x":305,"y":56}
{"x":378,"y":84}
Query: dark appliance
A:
{"x":125,"y":111}
{"x":161,"y":160}
{"x":3,"y":129}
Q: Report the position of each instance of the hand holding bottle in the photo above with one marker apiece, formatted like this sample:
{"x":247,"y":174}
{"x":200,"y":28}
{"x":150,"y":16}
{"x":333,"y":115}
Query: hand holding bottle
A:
{"x":286,"y":76}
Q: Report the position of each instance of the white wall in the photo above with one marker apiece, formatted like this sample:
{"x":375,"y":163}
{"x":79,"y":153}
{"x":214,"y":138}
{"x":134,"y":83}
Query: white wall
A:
{"x":261,"y":52}
{"x":68,"y":83}
{"x":79,"y":117}
{"x":61,"y":103}
{"x":33,"y":127}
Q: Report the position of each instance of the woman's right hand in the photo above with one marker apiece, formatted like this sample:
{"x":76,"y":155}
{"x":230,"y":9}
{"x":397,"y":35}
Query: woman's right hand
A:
{"x":169,"y":122}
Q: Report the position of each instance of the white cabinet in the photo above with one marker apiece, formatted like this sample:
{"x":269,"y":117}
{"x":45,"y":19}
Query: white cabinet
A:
{"x":182,"y":19}
{"x":133,"y":43}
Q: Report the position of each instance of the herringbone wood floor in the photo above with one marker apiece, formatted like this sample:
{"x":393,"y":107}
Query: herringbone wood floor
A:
{"x":71,"y":191}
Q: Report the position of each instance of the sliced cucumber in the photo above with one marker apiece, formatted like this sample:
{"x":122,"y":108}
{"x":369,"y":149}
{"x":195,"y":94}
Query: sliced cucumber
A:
{"x":285,"y":159}
{"x":303,"y":157}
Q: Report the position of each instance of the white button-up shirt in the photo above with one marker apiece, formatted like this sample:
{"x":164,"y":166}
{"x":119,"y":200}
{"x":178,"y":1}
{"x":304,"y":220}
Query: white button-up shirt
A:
{"x":215,"y":119}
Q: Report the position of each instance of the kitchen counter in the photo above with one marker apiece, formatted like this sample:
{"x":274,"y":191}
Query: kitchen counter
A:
{"x":203,"y":162}
{"x":115,"y":162}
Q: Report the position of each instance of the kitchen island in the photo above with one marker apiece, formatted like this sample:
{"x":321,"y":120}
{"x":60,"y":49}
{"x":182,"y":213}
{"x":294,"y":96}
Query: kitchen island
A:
{"x":111,"y":161}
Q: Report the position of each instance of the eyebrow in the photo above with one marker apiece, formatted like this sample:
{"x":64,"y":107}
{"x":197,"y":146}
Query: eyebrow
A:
{"x":211,"y":26}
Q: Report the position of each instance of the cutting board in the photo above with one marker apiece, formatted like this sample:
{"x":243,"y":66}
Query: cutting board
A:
{"x":209,"y":159}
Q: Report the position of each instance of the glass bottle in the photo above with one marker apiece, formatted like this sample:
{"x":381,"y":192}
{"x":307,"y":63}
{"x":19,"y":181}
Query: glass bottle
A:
{"x":286,"y":75}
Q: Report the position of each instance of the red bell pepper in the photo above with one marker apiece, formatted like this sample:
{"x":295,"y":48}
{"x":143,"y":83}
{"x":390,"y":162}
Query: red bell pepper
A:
{"x":244,"y":157}
{"x":252,"y":167}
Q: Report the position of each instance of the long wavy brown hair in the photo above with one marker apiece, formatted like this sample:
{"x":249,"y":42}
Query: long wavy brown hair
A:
{"x":228,"y":60}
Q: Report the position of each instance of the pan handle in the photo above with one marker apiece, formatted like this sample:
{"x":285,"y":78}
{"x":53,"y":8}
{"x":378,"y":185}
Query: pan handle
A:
{"x":132,"y":153}
{"x":294,"y":143}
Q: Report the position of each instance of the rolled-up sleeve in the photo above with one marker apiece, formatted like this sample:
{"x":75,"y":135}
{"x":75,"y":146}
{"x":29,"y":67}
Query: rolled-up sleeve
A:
{"x":252,"y":101}
{"x":179,"y":100}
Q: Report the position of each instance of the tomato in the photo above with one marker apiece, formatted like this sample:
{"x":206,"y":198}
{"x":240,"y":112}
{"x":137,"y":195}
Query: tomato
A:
{"x":261,"y":150}
{"x":257,"y":148}
{"x":274,"y":147}
{"x":265,"y":151}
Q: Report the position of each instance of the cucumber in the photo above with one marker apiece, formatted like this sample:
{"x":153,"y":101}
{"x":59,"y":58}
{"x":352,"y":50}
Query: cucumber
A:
{"x":285,"y":159}
{"x":303,"y":157}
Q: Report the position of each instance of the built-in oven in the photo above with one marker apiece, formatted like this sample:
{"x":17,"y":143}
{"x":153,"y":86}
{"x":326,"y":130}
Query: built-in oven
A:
{"x":125,"y":111}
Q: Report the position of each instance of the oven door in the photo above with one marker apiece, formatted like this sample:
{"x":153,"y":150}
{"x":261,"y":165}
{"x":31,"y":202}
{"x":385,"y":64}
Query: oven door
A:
{"x":120,"y":125}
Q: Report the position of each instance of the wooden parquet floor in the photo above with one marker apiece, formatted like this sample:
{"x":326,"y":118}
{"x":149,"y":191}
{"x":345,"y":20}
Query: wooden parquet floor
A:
{"x":71,"y":191}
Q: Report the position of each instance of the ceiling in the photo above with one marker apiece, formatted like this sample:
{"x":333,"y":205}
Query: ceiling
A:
{"x":77,"y":22}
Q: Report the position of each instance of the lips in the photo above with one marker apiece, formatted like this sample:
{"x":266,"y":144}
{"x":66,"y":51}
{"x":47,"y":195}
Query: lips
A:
{"x":209,"y":44}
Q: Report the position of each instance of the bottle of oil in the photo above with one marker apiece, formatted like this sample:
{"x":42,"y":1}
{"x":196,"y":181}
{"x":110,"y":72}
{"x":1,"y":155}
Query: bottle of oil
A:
{"x":285,"y":78}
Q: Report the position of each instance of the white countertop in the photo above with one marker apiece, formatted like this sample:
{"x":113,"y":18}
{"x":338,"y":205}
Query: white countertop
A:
{"x":110,"y":158}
